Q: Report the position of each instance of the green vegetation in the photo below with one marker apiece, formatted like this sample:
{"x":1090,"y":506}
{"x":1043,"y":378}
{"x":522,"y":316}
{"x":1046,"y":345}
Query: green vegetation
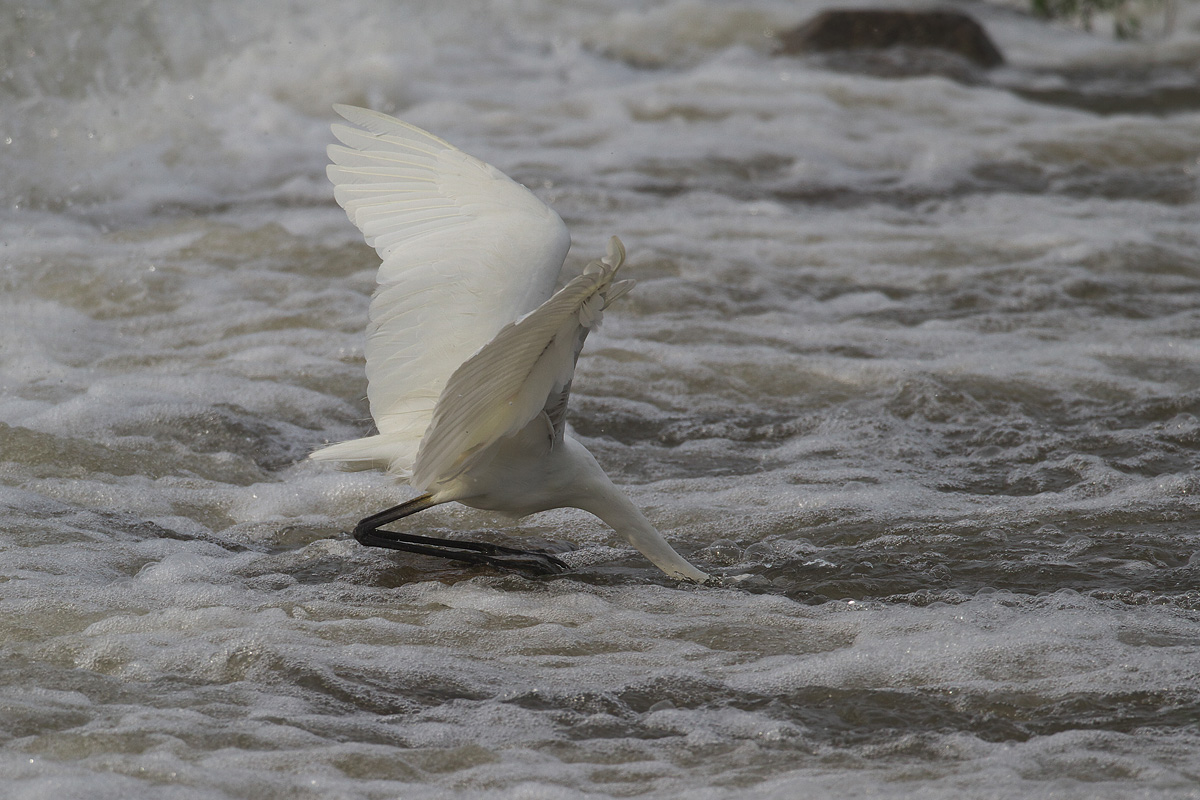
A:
{"x":1127,"y":15}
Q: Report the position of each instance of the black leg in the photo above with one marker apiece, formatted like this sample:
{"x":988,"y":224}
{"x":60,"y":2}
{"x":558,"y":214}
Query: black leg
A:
{"x":368,"y":532}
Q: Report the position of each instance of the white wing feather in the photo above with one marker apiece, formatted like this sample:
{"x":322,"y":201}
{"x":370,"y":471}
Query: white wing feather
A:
{"x":507,"y":384}
{"x":465,"y":251}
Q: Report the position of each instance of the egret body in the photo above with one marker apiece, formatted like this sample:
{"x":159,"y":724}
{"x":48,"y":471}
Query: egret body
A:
{"x":470,"y":352}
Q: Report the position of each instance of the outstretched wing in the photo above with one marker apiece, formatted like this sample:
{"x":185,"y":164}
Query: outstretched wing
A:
{"x":525,"y":371}
{"x":465,"y":252}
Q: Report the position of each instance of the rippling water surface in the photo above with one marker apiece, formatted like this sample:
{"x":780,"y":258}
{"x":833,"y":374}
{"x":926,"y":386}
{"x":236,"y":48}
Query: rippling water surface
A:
{"x":917,"y":358}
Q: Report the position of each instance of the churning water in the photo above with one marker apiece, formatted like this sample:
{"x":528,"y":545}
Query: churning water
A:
{"x":918,"y":357}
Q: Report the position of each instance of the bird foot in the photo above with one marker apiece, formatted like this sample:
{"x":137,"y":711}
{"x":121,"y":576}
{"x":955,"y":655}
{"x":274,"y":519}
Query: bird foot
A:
{"x":536,"y":562}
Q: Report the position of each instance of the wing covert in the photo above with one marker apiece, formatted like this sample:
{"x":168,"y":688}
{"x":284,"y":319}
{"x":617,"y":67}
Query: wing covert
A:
{"x":524,"y":371}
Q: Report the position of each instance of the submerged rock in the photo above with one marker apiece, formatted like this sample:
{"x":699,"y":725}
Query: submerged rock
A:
{"x":924,"y":40}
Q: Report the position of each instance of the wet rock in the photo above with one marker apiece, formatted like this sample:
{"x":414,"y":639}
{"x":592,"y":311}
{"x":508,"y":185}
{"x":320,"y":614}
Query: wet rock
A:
{"x":916,"y":42}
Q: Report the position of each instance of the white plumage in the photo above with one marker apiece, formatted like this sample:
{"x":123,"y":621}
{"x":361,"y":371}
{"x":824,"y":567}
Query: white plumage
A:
{"x":469,"y":356}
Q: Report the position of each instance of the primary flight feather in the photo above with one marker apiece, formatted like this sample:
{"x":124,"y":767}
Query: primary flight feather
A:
{"x":470,"y":352}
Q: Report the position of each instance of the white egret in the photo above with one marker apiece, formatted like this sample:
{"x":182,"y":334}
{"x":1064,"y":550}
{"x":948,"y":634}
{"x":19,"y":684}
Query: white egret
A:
{"x":470,"y":352}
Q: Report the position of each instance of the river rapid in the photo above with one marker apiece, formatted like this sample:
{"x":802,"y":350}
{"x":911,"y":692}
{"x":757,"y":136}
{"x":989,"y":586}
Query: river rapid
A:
{"x":914,"y":359}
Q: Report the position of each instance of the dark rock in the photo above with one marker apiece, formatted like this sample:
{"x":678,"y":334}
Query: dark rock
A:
{"x":880,"y":29}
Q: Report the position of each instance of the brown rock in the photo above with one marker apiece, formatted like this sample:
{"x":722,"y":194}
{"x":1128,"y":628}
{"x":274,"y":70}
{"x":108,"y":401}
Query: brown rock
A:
{"x":879,"y":29}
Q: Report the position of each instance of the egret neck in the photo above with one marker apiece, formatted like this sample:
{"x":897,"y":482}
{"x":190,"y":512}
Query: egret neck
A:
{"x":597,"y":495}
